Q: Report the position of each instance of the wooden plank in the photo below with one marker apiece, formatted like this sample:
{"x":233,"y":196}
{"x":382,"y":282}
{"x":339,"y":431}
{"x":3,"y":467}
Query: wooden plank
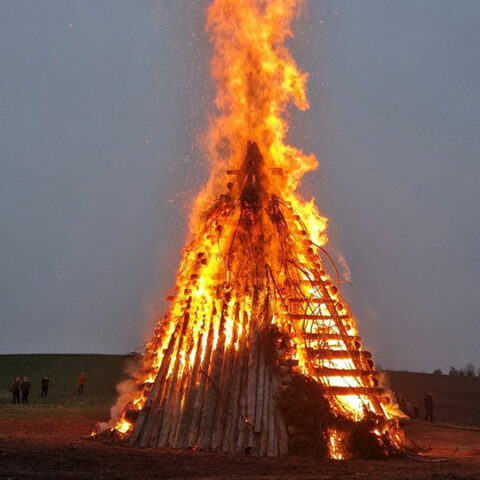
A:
{"x":340,"y":372}
{"x":303,"y":316}
{"x":311,"y":299}
{"x":331,"y":336}
{"x":323,"y":353}
{"x":342,"y":391}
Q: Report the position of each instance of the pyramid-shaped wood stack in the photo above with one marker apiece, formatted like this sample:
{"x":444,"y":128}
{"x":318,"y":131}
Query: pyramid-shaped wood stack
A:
{"x":254,"y":309}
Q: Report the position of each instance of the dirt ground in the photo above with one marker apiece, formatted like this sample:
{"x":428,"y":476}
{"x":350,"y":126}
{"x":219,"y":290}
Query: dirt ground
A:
{"x":50,"y":447}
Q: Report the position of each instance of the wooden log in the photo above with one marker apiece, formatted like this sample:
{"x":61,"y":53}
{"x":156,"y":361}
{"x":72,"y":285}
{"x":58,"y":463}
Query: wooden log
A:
{"x":272,"y":450}
{"x":326,"y":300}
{"x":177,"y":407}
{"x":226,"y":383}
{"x":152,"y":437}
{"x":150,"y":430}
{"x":183,"y":406}
{"x":242,"y":436}
{"x":340,"y":391}
{"x":265,"y":411}
{"x":241,"y":358}
{"x":288,"y":362}
{"x":175,"y":391}
{"x":242,"y":428}
{"x":281,"y":429}
{"x":260,"y":393}
{"x":182,"y":409}
{"x":304,"y":316}
{"x":326,"y":354}
{"x":169,"y":405}
{"x":197,"y":409}
{"x":180,"y":440}
{"x":275,"y":445}
{"x":213,"y":393}
{"x":223,"y":402}
{"x":154,"y":395}
{"x":231,"y":427}
{"x":326,"y":335}
{"x":252,"y":380}
{"x":341,"y":372}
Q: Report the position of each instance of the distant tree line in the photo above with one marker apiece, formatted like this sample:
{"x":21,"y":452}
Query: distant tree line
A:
{"x":467,"y":371}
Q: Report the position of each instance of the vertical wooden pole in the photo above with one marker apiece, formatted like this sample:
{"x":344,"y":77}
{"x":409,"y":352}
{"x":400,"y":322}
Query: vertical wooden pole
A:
{"x":231,"y":428}
{"x":265,"y":412}
{"x":213,"y":392}
{"x":180,"y":440}
{"x":224,"y":407}
{"x":197,"y":409}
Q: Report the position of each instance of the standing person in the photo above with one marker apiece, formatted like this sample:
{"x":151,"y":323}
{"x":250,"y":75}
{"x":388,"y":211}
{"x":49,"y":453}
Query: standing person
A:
{"x":428,"y":407}
{"x":45,"y":383}
{"x":82,"y":380}
{"x":25,"y":389}
{"x":15,"y":389}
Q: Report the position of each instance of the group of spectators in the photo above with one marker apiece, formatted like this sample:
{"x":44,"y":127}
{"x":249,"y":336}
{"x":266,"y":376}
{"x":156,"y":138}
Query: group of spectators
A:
{"x":22,"y":388}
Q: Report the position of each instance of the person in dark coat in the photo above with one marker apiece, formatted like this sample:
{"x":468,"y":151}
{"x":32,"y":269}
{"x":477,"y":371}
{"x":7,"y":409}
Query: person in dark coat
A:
{"x":15,"y":389}
{"x":45,"y":383}
{"x":25,"y":389}
{"x":428,"y":407}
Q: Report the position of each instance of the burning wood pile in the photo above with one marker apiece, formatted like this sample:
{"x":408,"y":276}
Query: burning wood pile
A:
{"x":258,"y":352}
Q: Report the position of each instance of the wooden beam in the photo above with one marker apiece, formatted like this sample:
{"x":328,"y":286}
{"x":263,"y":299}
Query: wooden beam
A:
{"x":341,"y":372}
{"x":338,"y":354}
{"x":303,"y":316}
{"x":331,"y":336}
{"x":311,"y":299}
{"x":341,"y":391}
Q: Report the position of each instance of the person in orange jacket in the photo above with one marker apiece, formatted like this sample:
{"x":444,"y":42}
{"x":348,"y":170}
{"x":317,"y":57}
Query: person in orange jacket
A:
{"x":82,"y":380}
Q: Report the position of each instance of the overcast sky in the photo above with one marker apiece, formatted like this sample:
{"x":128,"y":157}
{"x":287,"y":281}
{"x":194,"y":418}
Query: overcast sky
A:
{"x":100,"y":107}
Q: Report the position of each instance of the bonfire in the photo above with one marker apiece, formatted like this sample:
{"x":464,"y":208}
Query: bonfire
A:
{"x":258,"y":352}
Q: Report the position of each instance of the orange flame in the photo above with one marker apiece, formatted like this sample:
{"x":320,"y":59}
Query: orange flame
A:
{"x":256,"y":81}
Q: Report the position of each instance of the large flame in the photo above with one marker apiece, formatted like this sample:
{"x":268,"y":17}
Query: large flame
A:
{"x":260,"y":232}
{"x":256,"y":79}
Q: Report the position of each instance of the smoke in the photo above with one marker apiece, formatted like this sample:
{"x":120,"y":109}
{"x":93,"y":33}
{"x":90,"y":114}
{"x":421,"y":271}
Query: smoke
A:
{"x":392,"y":408}
{"x":345,"y":274}
{"x":126,"y":390}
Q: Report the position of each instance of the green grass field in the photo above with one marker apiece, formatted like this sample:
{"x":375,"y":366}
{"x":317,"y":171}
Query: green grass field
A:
{"x":103,"y":373}
{"x":457,"y":399}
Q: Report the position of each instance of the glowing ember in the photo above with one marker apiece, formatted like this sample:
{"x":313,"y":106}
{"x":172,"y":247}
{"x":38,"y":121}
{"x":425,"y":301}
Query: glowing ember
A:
{"x":254,"y":305}
{"x":123,"y":426}
{"x":336,"y":446}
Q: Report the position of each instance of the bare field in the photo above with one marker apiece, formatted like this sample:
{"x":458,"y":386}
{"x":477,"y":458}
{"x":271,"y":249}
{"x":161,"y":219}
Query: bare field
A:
{"x":50,"y":447}
{"x":51,"y":440}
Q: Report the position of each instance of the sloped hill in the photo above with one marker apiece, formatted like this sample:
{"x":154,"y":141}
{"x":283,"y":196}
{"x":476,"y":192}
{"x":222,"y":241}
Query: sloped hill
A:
{"x":456,"y":399}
